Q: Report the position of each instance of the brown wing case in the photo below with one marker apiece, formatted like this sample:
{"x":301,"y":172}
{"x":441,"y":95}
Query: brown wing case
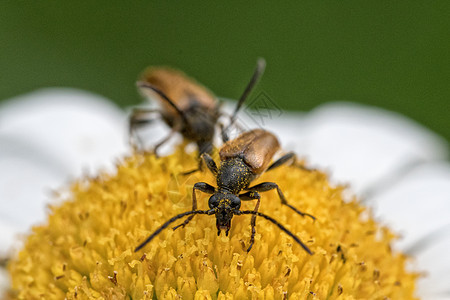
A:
{"x":178,"y":87}
{"x":256,"y":147}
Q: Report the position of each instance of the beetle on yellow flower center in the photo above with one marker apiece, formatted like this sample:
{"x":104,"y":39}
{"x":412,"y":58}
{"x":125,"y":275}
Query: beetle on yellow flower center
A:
{"x":85,"y":248}
{"x":242,"y":161}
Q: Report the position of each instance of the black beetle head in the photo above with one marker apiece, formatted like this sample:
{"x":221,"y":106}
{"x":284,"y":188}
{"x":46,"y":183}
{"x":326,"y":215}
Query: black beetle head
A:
{"x":224,"y":206}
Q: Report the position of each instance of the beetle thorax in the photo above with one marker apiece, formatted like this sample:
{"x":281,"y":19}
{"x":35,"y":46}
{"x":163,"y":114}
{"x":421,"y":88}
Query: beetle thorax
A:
{"x":234,"y":175}
{"x":201,"y":125}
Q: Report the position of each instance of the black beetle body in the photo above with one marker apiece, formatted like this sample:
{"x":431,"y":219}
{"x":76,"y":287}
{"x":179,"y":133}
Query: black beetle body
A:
{"x":185,"y":106}
{"x":242,"y":160}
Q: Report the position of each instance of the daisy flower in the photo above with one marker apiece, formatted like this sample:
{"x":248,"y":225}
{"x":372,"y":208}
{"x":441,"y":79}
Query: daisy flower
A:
{"x":53,"y":137}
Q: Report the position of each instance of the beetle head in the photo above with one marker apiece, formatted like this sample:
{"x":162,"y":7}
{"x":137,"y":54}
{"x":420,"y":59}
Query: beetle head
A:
{"x":224,"y":205}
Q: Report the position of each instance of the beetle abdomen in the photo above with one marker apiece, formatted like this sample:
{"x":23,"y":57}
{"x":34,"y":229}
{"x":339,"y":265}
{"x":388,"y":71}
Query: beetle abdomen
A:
{"x":180,"y":88}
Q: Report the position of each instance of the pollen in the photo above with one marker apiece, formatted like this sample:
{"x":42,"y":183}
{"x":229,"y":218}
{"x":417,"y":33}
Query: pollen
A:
{"x":85,"y":249}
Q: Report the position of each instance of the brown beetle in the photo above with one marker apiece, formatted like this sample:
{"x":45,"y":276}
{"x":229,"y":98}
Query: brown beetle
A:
{"x":242,"y":161}
{"x":185,"y":106}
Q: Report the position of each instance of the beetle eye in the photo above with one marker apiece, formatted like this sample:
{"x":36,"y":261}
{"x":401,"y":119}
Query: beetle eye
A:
{"x":235,"y":203}
{"x":213,"y":201}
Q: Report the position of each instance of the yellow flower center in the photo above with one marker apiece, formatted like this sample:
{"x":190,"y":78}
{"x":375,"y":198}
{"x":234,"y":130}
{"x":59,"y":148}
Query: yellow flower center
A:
{"x":85,"y":250}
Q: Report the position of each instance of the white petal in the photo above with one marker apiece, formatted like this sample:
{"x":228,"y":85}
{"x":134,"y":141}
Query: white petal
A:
{"x":360,"y":145}
{"x":23,"y":186}
{"x":4,"y":281}
{"x":77,"y":130}
{"x":435,"y":260}
{"x":418,"y":204}
{"x":48,"y":137}
{"x":418,"y":207}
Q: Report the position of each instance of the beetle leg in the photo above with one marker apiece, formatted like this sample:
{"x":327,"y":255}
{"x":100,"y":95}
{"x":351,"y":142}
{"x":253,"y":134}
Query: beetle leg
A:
{"x":201,"y":186}
{"x":176,"y":128}
{"x":252,"y":195}
{"x":253,"y":224}
{"x":4,"y":261}
{"x":210,"y":163}
{"x":138,"y":117}
{"x":199,"y":168}
{"x":284,"y":159}
{"x":171,"y":134}
{"x":192,"y":171}
{"x":224,"y":133}
{"x":278,"y":224}
{"x":267,"y":186}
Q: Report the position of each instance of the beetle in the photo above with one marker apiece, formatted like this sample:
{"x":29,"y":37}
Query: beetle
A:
{"x":185,"y":106}
{"x":242,"y":161}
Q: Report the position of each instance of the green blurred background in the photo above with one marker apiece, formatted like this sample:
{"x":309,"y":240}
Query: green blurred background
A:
{"x":391,"y":54}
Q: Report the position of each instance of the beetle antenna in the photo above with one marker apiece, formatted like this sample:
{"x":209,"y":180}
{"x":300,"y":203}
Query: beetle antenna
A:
{"x":288,"y":232}
{"x":145,"y":85}
{"x":259,"y":71}
{"x":163,"y":226}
